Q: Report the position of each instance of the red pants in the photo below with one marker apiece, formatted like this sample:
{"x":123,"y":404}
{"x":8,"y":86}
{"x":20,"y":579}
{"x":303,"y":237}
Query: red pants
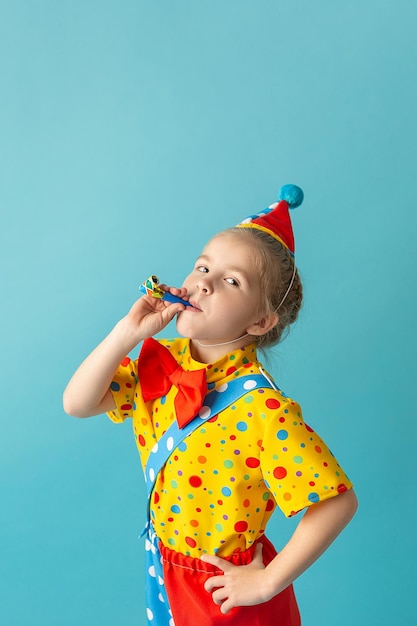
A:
{"x":192,"y":605}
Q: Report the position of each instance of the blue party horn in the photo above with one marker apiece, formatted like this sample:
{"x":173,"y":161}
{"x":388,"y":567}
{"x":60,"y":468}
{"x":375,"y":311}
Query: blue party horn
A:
{"x":150,"y":287}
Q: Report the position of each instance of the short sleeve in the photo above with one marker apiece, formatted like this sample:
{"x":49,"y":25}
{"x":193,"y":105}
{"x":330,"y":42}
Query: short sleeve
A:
{"x":297,"y":465}
{"x":123,"y":389}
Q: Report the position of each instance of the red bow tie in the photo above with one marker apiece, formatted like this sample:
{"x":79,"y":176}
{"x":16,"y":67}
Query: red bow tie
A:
{"x":158,"y":371}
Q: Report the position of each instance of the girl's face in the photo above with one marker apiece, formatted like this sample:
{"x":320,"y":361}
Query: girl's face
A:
{"x":225,"y":291}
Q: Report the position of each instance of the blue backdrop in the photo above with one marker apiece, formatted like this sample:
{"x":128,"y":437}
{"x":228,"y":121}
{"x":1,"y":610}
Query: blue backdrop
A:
{"x":131,"y":131}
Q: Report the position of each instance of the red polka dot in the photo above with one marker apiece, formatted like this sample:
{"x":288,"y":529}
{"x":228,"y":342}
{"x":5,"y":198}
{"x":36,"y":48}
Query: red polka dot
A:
{"x":240,"y":527}
{"x":213,"y":419}
{"x":270,"y":505}
{"x":125,"y":361}
{"x":156,"y":497}
{"x":194,"y":523}
{"x":232,"y":437}
{"x":311,"y":483}
{"x":141,"y":440}
{"x":126,"y":407}
{"x":246,"y":503}
{"x":129,"y":385}
{"x":310,"y":430}
{"x":195,"y":481}
{"x":341,"y":488}
{"x":247,"y":365}
{"x":252,"y":462}
{"x":273,"y":403}
{"x":230,"y":370}
{"x":282,"y":420}
{"x":317,"y":449}
{"x":191,"y":542}
{"x":280,"y":472}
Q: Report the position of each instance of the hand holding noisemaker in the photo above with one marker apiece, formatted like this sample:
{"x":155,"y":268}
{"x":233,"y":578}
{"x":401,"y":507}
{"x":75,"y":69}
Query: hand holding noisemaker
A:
{"x":150,"y":287}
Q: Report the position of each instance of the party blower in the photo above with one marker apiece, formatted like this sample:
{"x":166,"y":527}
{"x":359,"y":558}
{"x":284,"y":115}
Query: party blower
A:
{"x":150,"y":287}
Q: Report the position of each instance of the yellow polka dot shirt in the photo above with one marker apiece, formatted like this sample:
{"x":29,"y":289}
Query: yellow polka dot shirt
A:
{"x":219,"y":488}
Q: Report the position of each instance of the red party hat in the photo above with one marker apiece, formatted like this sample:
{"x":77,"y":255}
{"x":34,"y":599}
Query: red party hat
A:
{"x":276,"y":220}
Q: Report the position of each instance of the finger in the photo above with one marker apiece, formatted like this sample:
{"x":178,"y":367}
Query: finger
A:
{"x":214,"y":582}
{"x":176,"y":291}
{"x":183,"y":293}
{"x":216,"y":561}
{"x":171,"y":311}
{"x":226,"y":607}
{"x":219,"y":596}
{"x":150,"y":303}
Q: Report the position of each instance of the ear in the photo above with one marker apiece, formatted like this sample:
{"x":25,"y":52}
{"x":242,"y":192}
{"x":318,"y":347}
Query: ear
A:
{"x":264,"y":325}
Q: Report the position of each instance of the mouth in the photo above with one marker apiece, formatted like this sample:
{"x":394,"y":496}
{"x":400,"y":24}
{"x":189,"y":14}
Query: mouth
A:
{"x":195,"y":306}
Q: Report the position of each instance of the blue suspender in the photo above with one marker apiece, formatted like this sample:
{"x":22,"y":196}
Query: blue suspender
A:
{"x":214,"y":402}
{"x":158,"y":607}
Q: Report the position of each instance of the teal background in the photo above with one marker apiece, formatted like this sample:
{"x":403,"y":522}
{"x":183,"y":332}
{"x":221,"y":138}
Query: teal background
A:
{"x":132,"y":131}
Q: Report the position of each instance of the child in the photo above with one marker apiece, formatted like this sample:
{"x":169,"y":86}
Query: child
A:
{"x":220,"y":444}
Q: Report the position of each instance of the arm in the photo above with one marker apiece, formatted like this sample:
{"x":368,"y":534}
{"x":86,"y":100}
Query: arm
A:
{"x":253,"y":584}
{"x":88,"y":392}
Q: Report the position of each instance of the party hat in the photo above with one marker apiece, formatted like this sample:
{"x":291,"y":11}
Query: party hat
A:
{"x":276,"y":220}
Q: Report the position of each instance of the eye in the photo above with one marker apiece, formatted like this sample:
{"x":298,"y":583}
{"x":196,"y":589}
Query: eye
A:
{"x":232,"y":281}
{"x":202,"y":268}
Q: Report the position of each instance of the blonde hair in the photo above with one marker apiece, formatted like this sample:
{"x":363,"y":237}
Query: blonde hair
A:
{"x":276,"y":271}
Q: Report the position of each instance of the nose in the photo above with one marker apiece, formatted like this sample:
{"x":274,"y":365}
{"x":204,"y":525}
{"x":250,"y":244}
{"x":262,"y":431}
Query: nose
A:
{"x":204,"y":285}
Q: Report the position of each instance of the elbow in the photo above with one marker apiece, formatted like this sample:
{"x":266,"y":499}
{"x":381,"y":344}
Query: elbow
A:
{"x":340,"y":508}
{"x":349,"y":503}
{"x":71,"y":407}
{"x":353,"y":502}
